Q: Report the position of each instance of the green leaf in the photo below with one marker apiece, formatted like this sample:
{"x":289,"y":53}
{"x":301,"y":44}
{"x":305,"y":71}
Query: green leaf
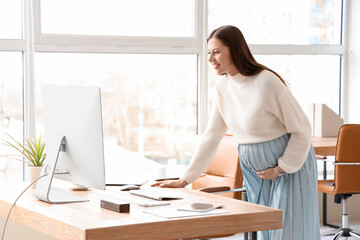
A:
{"x":33,"y":149}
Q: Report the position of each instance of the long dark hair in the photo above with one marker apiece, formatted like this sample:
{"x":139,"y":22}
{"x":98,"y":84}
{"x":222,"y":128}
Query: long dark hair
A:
{"x":241,"y":56}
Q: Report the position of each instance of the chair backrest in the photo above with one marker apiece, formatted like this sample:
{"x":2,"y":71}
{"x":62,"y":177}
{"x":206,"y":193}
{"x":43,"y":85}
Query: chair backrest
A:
{"x":347,"y":177}
{"x":224,"y":169}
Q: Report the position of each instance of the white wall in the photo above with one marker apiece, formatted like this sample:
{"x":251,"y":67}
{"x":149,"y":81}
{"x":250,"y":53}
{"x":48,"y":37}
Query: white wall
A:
{"x":352,"y":87}
{"x":334,"y":210}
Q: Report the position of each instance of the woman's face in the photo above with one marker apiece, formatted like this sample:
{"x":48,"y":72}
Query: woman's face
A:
{"x":220,"y":58}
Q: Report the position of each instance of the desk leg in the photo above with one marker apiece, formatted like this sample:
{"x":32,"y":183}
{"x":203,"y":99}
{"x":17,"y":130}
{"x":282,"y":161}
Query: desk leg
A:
{"x":325,"y":223}
{"x":324,"y":198}
{"x":246,"y":234}
{"x":324,"y":209}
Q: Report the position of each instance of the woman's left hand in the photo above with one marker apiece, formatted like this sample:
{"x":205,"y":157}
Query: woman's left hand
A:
{"x":268,"y":174}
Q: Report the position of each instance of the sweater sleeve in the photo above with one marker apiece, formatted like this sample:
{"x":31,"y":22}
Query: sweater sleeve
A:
{"x":206,"y":149}
{"x":290,"y":113}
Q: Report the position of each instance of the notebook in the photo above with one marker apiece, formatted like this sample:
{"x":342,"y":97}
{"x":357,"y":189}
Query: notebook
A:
{"x":156,"y":194}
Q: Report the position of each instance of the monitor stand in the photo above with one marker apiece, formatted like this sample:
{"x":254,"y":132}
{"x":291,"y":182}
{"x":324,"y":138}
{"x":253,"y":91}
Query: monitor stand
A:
{"x":43,"y":190}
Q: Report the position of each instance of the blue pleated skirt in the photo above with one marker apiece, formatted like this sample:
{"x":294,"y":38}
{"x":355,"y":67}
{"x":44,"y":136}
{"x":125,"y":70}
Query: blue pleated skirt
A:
{"x":295,"y":194}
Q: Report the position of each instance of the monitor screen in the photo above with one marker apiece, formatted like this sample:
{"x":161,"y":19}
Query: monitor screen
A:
{"x":74,"y":140}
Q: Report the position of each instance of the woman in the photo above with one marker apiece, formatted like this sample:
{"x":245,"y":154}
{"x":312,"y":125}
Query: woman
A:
{"x":276,"y":156}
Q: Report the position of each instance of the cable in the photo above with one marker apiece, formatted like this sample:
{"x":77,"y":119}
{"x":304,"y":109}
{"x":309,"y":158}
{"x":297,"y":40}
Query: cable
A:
{"x":7,"y":218}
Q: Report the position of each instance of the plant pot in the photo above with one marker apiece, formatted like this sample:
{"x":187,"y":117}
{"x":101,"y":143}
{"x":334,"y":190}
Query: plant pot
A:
{"x":33,"y":173}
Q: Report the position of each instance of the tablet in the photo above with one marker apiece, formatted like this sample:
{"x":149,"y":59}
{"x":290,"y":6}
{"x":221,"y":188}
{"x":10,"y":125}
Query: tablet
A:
{"x":199,"y":207}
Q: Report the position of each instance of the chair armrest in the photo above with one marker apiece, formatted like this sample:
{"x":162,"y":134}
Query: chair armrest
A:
{"x":323,"y":158}
{"x":163,"y":179}
{"x":243,"y":189}
{"x":215,"y":189}
{"x":221,"y":189}
{"x":346,"y":163}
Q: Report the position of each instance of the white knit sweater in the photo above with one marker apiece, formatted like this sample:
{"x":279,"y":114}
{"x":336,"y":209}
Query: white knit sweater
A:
{"x":255,"y":109}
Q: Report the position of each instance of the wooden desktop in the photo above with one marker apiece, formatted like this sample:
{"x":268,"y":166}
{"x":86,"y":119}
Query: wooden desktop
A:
{"x":87,"y":220}
{"x":324,"y":146}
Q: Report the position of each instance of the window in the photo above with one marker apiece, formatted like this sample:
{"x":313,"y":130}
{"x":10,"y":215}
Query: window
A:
{"x":10,"y":19}
{"x":148,"y":101}
{"x":11,"y":85}
{"x":144,"y":56}
{"x":152,"y":52}
{"x":280,"y":21}
{"x":298,"y":40}
{"x":119,"y":17}
{"x":306,"y":74}
{"x":11,"y":106}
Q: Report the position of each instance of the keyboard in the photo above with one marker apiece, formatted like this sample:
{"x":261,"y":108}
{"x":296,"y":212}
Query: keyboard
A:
{"x":157,"y":193}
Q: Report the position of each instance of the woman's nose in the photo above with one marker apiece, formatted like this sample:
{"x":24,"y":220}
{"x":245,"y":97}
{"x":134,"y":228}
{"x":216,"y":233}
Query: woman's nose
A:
{"x":211,"y":58}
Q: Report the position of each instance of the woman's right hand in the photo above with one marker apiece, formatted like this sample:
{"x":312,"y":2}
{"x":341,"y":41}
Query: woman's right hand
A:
{"x":180,"y":183}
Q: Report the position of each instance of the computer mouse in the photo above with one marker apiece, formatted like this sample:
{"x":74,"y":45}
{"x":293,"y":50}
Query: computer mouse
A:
{"x":129,"y":187}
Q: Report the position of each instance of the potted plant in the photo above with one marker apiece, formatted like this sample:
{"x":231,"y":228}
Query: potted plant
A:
{"x":33,"y":150}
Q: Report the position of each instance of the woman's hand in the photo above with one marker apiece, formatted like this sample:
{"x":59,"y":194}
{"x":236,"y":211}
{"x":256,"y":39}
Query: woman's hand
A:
{"x":269,"y":173}
{"x":180,"y":183}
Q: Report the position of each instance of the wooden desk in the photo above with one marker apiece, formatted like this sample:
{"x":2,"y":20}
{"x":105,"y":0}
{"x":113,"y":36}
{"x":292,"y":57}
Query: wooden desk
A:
{"x":324,"y":146}
{"x":88,"y":221}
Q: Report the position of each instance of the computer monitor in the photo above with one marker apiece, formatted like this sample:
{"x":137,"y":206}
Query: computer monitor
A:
{"x":74,"y":141}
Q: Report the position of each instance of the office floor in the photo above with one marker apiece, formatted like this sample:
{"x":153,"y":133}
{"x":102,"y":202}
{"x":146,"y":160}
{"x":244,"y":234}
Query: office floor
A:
{"x":327,"y":233}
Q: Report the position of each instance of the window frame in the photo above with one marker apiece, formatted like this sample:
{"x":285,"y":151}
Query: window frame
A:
{"x":130,"y":44}
{"x":34,"y":41}
{"x":174,"y":45}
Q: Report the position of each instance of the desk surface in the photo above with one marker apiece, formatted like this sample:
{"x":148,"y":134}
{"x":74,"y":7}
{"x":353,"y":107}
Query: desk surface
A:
{"x":324,"y":146}
{"x":87,"y":220}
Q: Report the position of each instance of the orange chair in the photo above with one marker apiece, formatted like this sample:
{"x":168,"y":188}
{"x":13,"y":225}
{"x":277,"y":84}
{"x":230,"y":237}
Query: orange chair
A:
{"x":224,"y":173}
{"x":223,"y":176}
{"x":347,"y":173}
